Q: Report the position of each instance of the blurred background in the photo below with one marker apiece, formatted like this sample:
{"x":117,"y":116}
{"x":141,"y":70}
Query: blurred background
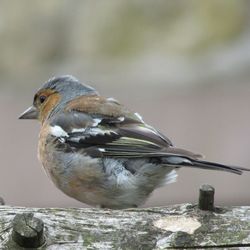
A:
{"x":183,"y":65}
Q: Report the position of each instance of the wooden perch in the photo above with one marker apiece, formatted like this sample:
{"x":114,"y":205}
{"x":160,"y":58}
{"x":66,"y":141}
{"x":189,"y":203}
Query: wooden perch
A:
{"x":178,"y":226}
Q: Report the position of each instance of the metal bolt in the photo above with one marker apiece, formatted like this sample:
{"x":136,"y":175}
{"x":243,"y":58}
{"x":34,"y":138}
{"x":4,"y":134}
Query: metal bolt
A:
{"x":28,"y":230}
{"x":206,"y":198}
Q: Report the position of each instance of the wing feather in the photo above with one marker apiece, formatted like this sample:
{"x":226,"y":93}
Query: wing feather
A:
{"x":121,"y":134}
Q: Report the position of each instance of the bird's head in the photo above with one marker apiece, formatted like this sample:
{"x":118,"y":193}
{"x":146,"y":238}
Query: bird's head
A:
{"x":54,"y":95}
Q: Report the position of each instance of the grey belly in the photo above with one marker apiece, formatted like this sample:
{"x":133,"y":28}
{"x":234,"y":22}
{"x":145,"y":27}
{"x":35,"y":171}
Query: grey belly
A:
{"x":112,"y":183}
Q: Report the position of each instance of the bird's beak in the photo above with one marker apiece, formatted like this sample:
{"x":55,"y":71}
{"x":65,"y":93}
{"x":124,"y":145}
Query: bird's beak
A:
{"x":30,"y":113}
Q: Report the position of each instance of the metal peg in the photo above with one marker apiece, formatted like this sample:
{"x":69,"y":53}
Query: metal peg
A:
{"x":1,"y":201}
{"x":206,"y":198}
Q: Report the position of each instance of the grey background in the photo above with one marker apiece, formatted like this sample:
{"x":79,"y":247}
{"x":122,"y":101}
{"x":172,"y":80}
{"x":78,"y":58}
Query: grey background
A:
{"x":183,"y":65}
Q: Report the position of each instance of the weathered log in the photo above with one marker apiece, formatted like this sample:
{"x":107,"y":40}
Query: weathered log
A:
{"x":178,"y":226}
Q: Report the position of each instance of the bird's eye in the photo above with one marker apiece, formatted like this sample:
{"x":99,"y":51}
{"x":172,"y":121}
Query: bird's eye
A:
{"x":42,"y":98}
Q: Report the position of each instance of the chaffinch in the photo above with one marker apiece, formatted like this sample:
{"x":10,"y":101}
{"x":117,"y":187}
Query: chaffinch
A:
{"x":98,"y":152}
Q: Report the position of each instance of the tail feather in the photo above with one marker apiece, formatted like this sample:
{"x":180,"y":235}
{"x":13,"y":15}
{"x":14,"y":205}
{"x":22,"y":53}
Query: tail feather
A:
{"x":218,"y":166}
{"x":178,"y":161}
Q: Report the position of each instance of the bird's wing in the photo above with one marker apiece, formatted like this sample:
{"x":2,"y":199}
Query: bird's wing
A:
{"x":104,"y":128}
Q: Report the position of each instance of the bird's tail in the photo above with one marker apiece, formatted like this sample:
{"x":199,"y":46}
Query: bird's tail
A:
{"x":217,"y":166}
{"x":179,"y":161}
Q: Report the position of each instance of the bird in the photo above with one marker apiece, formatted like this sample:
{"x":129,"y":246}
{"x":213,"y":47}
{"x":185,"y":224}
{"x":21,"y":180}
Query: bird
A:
{"x":98,"y":152}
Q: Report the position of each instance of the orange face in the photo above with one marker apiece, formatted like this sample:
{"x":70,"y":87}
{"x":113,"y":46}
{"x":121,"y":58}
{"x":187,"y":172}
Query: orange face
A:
{"x":45,"y":101}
